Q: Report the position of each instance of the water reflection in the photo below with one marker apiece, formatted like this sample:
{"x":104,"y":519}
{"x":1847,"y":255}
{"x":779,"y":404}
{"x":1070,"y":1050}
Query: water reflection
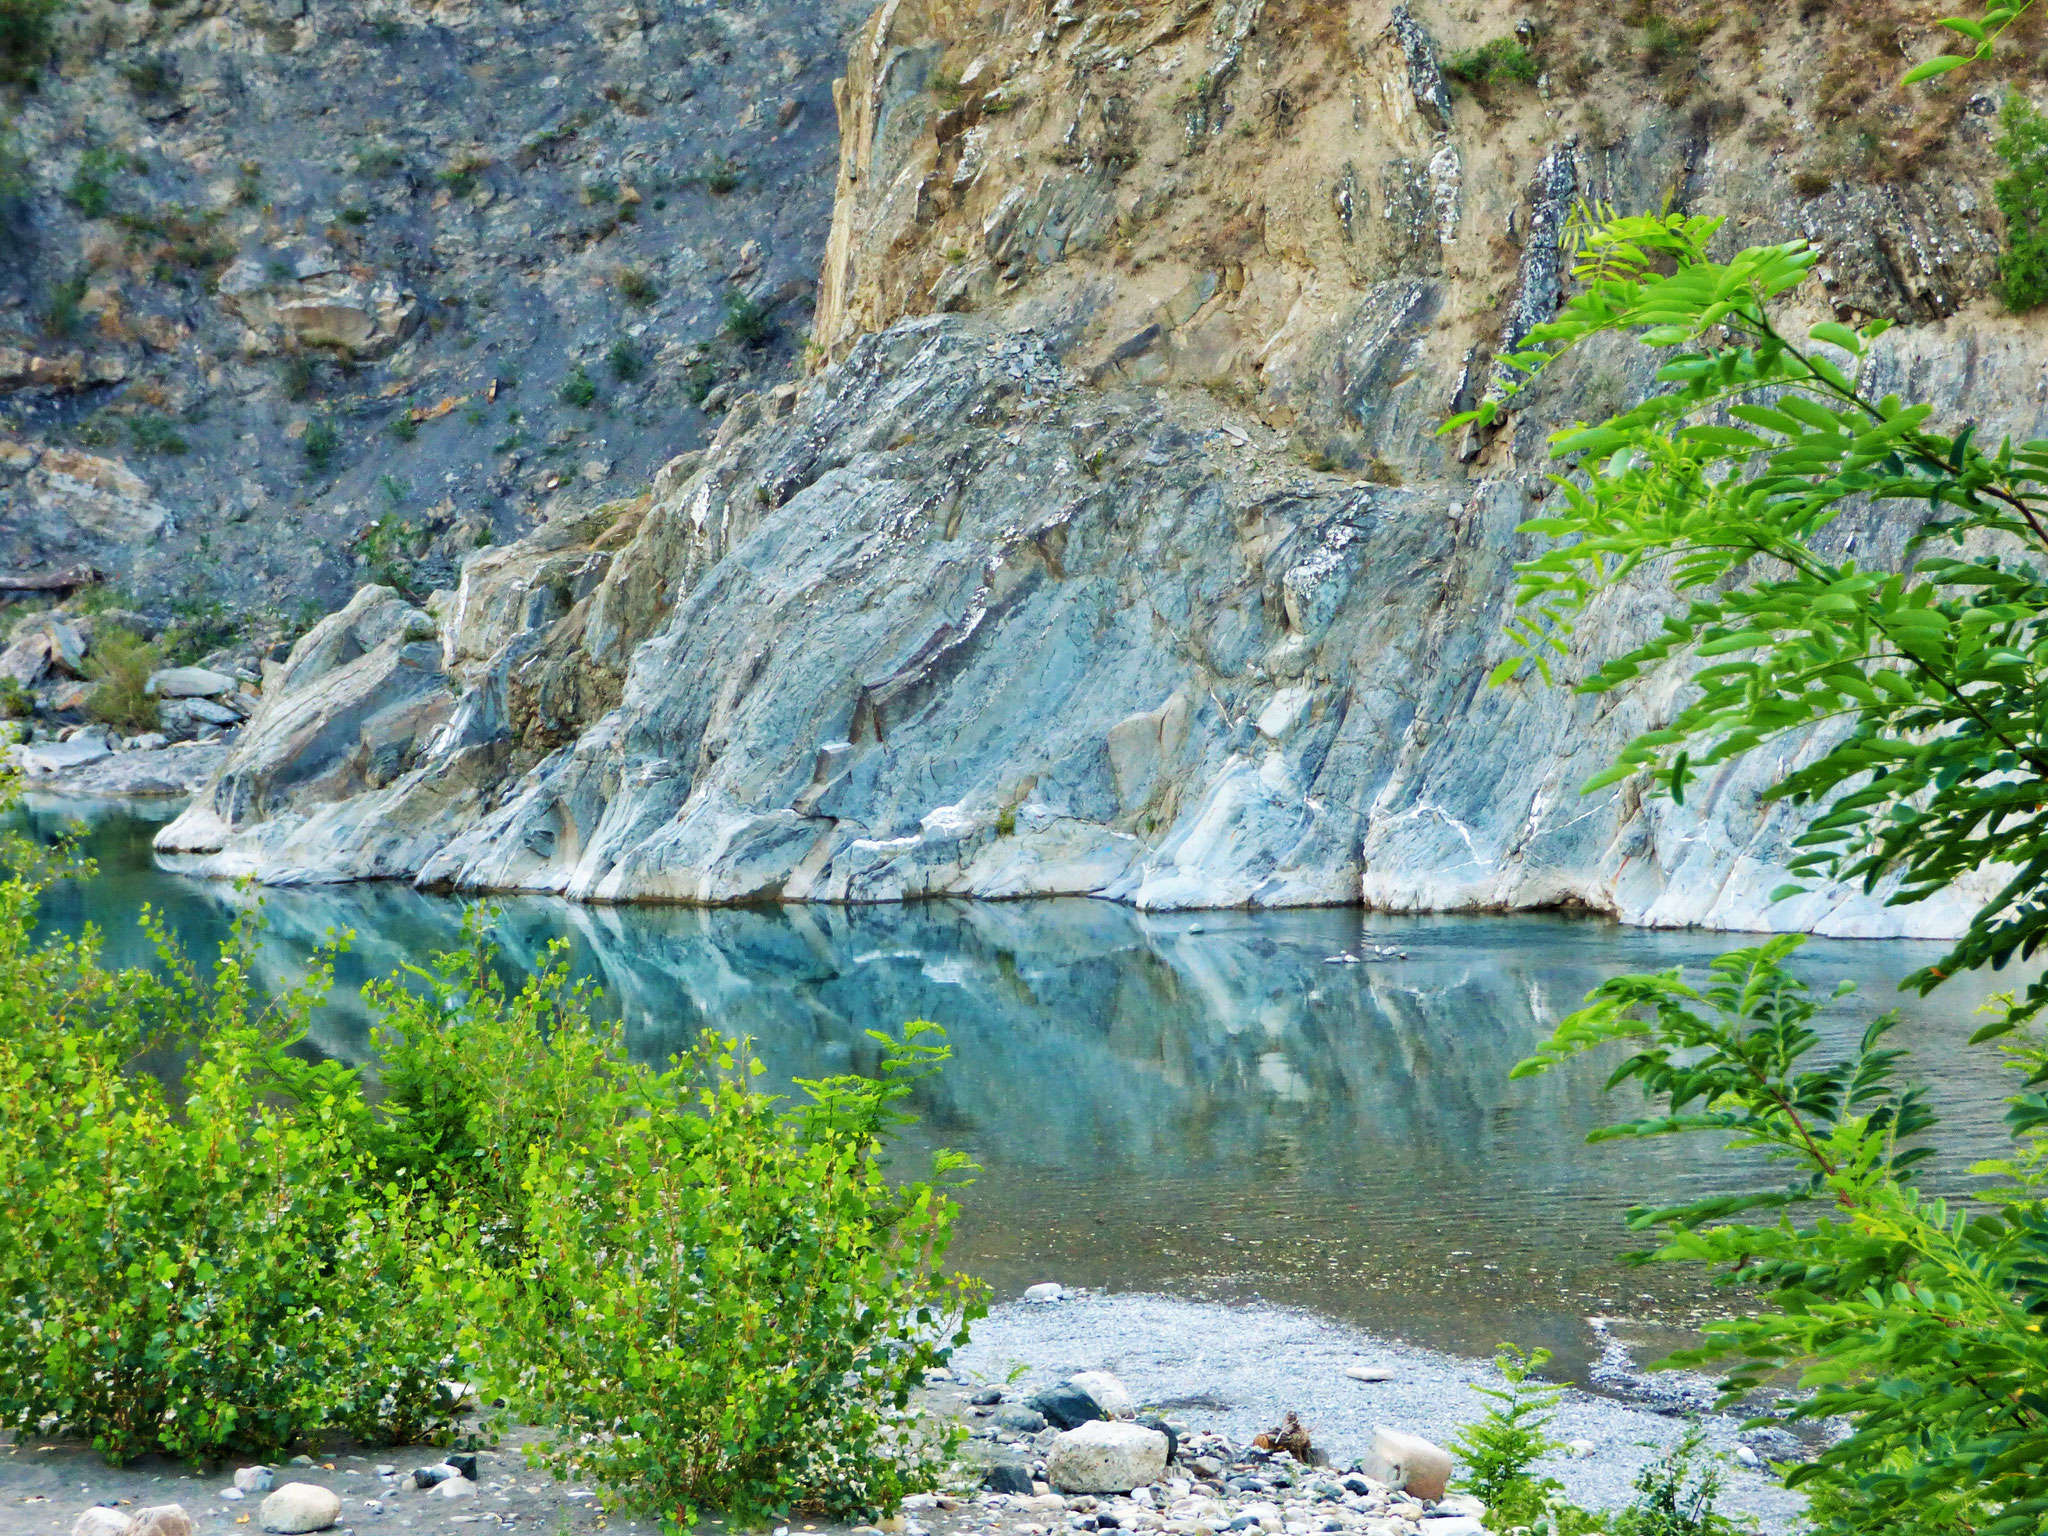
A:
{"x":1198,"y":1103}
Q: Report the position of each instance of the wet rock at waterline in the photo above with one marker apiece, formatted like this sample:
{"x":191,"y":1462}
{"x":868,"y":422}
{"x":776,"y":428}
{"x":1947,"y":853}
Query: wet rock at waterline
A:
{"x":299,"y":1507}
{"x":1105,"y":1457}
{"x":1045,"y":1291}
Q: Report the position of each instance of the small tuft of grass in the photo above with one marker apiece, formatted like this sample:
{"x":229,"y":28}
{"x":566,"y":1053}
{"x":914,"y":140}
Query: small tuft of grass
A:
{"x":1498,"y":63}
{"x":154,"y":434}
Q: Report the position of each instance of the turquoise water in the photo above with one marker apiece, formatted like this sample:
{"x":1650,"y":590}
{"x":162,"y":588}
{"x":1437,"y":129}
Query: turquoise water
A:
{"x":1193,"y":1103}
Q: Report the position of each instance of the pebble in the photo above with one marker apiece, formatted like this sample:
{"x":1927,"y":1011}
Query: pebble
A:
{"x":232,"y":1494}
{"x":1370,"y":1372}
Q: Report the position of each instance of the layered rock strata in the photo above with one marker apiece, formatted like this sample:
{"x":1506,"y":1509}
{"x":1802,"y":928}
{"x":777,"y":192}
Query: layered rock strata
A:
{"x":1114,"y":549}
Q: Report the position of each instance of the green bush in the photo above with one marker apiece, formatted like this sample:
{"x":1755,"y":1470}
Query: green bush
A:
{"x":176,"y":1266}
{"x":121,"y":663}
{"x":154,"y":434}
{"x":747,"y":319}
{"x":200,"y":626}
{"x":27,"y":35}
{"x":1499,"y":1449}
{"x":711,"y":1297}
{"x":1675,"y":1493}
{"x":579,"y":389}
{"x":320,"y":444}
{"x":1500,"y":62}
{"x":91,"y":190}
{"x":637,"y":288}
{"x":2023,"y":198}
{"x":626,"y":362}
{"x":782,"y":1377}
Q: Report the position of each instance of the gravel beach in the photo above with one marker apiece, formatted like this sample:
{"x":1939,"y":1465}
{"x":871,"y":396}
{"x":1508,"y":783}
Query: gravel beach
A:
{"x":1230,"y":1370}
{"x":1237,"y":1369}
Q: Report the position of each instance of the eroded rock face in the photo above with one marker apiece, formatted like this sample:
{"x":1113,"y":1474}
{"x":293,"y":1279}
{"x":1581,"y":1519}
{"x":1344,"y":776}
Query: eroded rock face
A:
{"x":1118,"y":551}
{"x":346,"y":714}
{"x":318,"y":302}
{"x":961,"y":624}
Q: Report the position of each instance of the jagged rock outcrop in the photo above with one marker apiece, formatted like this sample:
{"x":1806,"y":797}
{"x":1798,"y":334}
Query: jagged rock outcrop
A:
{"x":959,"y":623}
{"x":1115,"y":550}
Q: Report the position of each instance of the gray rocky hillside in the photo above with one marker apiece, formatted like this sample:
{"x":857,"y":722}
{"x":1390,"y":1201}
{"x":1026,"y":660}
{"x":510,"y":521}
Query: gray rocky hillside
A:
{"x":295,"y":293}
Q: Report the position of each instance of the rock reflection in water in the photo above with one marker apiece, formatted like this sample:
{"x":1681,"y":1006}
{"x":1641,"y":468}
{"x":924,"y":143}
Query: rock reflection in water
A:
{"x":1198,"y":1102}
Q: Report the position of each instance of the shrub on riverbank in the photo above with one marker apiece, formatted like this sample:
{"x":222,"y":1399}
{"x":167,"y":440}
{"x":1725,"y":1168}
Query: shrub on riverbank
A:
{"x":240,"y":1247}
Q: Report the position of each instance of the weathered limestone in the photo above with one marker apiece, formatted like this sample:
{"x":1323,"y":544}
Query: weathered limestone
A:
{"x":1105,"y":1457}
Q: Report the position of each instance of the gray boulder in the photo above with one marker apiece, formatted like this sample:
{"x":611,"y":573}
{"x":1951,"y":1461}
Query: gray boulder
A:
{"x":162,"y":1520}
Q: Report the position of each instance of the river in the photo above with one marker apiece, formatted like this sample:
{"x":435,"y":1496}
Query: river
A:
{"x":1195,"y":1103}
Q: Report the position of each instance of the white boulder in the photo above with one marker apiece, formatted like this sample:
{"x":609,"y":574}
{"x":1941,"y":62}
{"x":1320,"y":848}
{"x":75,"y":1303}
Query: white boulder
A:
{"x":299,"y":1507}
{"x":101,"y":1521}
{"x":1406,"y":1461}
{"x":188,"y":683}
{"x":1105,"y":1457}
{"x":457,"y":1487}
{"x":253,"y":1479}
{"x":1048,"y":1290}
{"x":1111,"y":1395}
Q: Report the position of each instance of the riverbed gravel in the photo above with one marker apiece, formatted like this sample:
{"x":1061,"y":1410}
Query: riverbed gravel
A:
{"x":1239,"y":1369}
{"x":1210,"y":1370}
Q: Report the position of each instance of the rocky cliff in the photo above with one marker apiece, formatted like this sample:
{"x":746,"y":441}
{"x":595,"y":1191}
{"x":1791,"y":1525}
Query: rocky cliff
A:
{"x":1113,"y":550}
{"x":300,"y":293}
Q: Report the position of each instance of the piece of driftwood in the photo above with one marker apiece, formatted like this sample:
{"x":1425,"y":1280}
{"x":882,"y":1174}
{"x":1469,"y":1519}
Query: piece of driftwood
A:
{"x":51,"y":581}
